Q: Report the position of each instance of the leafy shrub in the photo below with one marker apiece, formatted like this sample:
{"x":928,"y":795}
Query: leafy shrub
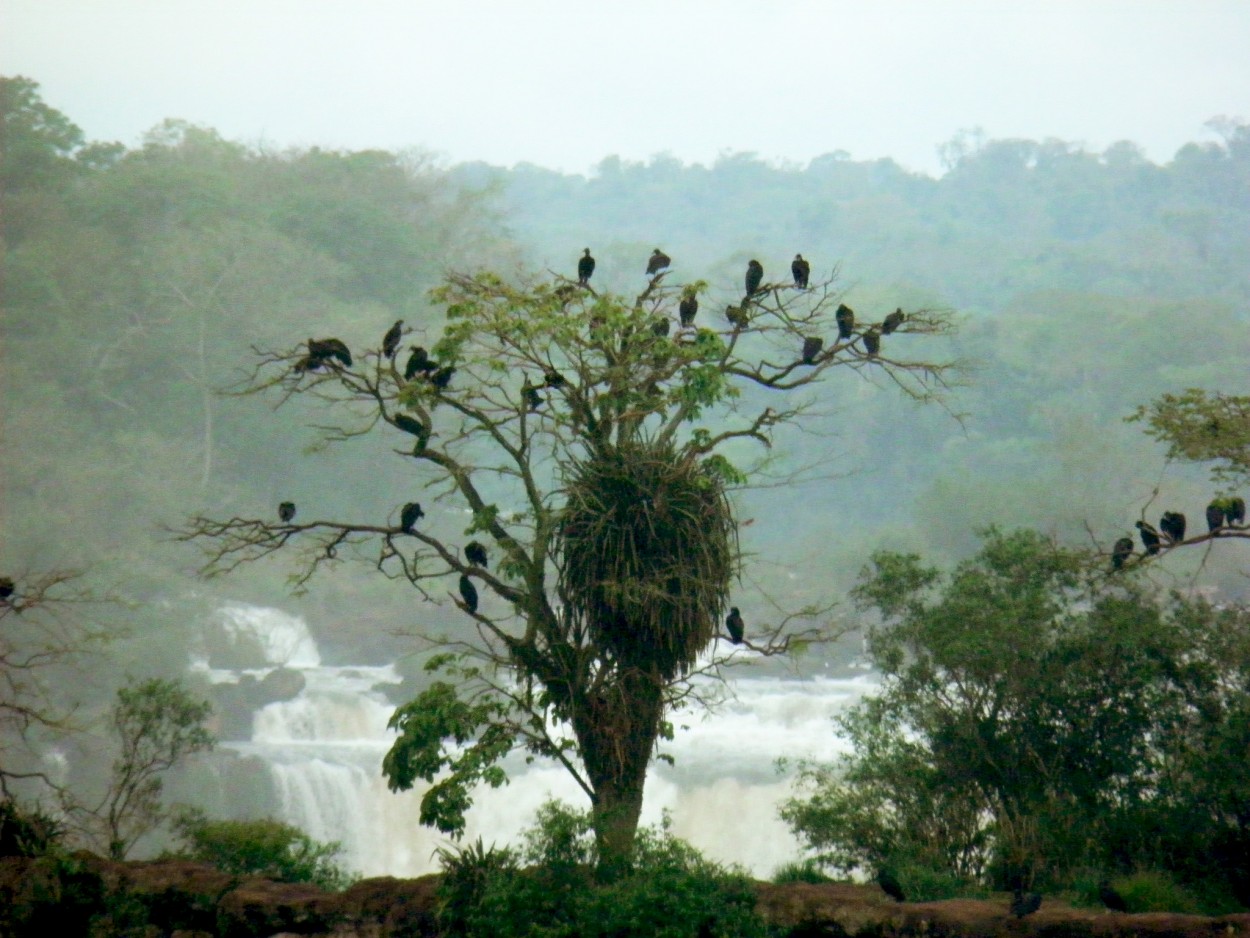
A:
{"x":262,"y":848}
{"x":27,"y":832}
{"x":800,"y":871}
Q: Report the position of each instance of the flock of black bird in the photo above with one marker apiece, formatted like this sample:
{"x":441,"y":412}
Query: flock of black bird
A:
{"x":1223,"y":512}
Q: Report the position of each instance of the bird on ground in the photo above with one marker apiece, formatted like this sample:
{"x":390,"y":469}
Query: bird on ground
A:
{"x":1110,"y":898}
{"x":533,"y":400}
{"x":442,"y":377}
{"x":322,"y":351}
{"x":7,"y":587}
{"x":687,"y":308}
{"x":811,"y":348}
{"x":475,"y":553}
{"x":468,"y":593}
{"x":802,"y":270}
{"x":737,"y":316}
{"x":418,"y":361}
{"x":409,"y":515}
{"x":754,"y":277}
{"x":872,"y":342}
{"x":1173,"y":525}
{"x":1121,"y":552}
{"x":845,"y":317}
{"x":1149,"y":537}
{"x":890,"y":885}
{"x":585,"y":267}
{"x":1235,"y":510}
{"x":553,"y":379}
{"x":659,"y":260}
{"x":390,"y":341}
{"x":1215,"y":515}
{"x":286,"y":511}
{"x":893,"y":321}
{"x":735,"y":626}
{"x":1025,"y":903}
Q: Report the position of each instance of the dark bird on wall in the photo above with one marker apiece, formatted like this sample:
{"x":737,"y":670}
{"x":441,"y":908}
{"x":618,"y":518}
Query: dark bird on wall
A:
{"x":7,"y":587}
{"x":585,"y":267}
{"x":286,"y":511}
{"x":872,"y":342}
{"x":892,"y":321}
{"x":390,"y":341}
{"x":1149,"y":537}
{"x":553,"y":379}
{"x":659,"y":260}
{"x":468,"y":593}
{"x":533,"y":400}
{"x":737,"y":316}
{"x":811,"y":348}
{"x":409,"y":515}
{"x":1025,"y":903}
{"x":1215,"y":515}
{"x":475,"y":553}
{"x":1235,"y":510}
{"x":687,"y":308}
{"x":1110,"y":898}
{"x":321,"y":351}
{"x":418,"y":361}
{"x":1121,"y":552}
{"x":890,"y":885}
{"x":802,"y":270}
{"x":754,"y":277}
{"x":735,"y":626}
{"x":845,"y":317}
{"x":1173,"y":525}
{"x":442,"y":377}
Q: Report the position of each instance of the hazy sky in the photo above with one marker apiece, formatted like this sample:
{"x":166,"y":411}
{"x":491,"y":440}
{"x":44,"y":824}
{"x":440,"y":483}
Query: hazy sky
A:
{"x":563,"y":83}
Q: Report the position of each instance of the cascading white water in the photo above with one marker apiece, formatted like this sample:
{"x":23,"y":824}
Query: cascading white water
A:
{"x":324,"y":750}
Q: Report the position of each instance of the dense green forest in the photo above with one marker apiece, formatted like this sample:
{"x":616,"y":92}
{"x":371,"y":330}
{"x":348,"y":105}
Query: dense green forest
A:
{"x":138,"y":284}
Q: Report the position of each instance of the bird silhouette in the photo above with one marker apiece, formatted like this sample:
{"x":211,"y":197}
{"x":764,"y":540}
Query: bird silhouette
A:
{"x":442,"y":377}
{"x":661,"y":327}
{"x":1235,"y":510}
{"x":687,"y":308}
{"x":585,"y":267}
{"x":735,"y":626}
{"x":811,"y":348}
{"x":1025,"y":903}
{"x":1121,"y":552}
{"x":553,"y":379}
{"x":286,"y":511}
{"x":468,"y":593}
{"x":845,"y":318}
{"x":475,"y":553}
{"x":801,"y":270}
{"x":892,"y":321}
{"x":1173,"y":525}
{"x":737,"y":316}
{"x":872,"y":342}
{"x":890,"y":885}
{"x":418,"y":361}
{"x":1149,"y":537}
{"x":1215,"y":515}
{"x":533,"y":400}
{"x":409,"y":515}
{"x":1110,"y":898}
{"x":659,"y":260}
{"x":755,"y":276}
{"x":390,"y":341}
{"x":323,"y":351}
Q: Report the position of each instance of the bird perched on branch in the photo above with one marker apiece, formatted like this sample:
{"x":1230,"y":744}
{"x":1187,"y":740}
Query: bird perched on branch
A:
{"x":737,"y":316}
{"x":475,"y":553}
{"x":533,"y":400}
{"x":845,"y":318}
{"x":890,"y":885}
{"x":585,"y":267}
{"x":468,"y":592}
{"x":410,"y":425}
{"x":1025,"y":903}
{"x":660,"y":328}
{"x":418,"y":361}
{"x":286,"y":512}
{"x":801,"y":270}
{"x":811,"y":348}
{"x":872,"y":342}
{"x":1173,"y":525}
{"x":1149,"y":537}
{"x":1235,"y":510}
{"x":659,"y":261}
{"x":325,"y":351}
{"x":1121,"y":552}
{"x":390,"y":341}
{"x":687,"y":308}
{"x":1215,"y":515}
{"x":735,"y":626}
{"x":754,"y":277}
{"x":409,"y":515}
{"x":442,"y":377}
{"x":893,"y":321}
{"x":553,"y":379}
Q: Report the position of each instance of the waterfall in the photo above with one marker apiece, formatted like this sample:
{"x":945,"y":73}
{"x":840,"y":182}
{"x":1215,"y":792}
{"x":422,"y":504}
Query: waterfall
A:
{"x":323,"y":751}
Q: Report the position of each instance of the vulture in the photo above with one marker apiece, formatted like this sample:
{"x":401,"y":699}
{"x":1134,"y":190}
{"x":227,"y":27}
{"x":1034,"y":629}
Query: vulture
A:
{"x":872,"y":342}
{"x":687,"y":308}
{"x":659,"y":260}
{"x":286,"y":511}
{"x":733,"y":622}
{"x":892,"y":321}
{"x":1110,"y":898}
{"x":660,"y":328}
{"x":419,"y":360}
{"x":890,"y":885}
{"x":475,"y":553}
{"x":801,"y":270}
{"x":755,"y":276}
{"x":1173,"y":525}
{"x":1215,"y":515}
{"x":6,"y":587}
{"x":468,"y":593}
{"x":585,"y":267}
{"x":1235,"y":510}
{"x":553,"y":379}
{"x":390,"y":341}
{"x":737,"y":316}
{"x":811,"y":348}
{"x":409,"y":515}
{"x":1121,"y":552}
{"x":442,"y":377}
{"x":410,"y":425}
{"x":320,"y":351}
{"x":845,"y":317}
{"x":533,"y":400}
{"x":1149,"y":537}
{"x":1025,"y":903}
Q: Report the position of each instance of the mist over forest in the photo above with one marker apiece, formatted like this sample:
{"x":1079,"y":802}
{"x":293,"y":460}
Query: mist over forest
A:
{"x":139,"y":283}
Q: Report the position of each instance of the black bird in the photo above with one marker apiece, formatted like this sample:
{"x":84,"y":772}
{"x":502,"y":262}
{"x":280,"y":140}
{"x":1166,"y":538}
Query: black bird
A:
{"x":1121,"y":552}
{"x":6,"y":587}
{"x":553,"y":379}
{"x":1173,"y":525}
{"x":845,"y":317}
{"x":687,"y":309}
{"x":321,"y":351}
{"x":802,"y":270}
{"x":286,"y":511}
{"x":659,"y":260}
{"x":872,"y":342}
{"x":468,"y":593}
{"x":1149,"y":537}
{"x":1215,"y":514}
{"x":533,"y":400}
{"x":737,"y":316}
{"x":754,"y":277}
{"x":409,"y":515}
{"x":1110,"y":898}
{"x":1025,"y":903}
{"x":660,"y":328}
{"x":410,"y":425}
{"x":811,"y":348}
{"x":585,"y":267}
{"x":442,"y":377}
{"x":390,"y":341}
{"x":419,"y":360}
{"x":892,"y":321}
{"x":890,"y":885}
{"x":1235,"y":509}
{"x":733,"y":622}
{"x":475,"y":553}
